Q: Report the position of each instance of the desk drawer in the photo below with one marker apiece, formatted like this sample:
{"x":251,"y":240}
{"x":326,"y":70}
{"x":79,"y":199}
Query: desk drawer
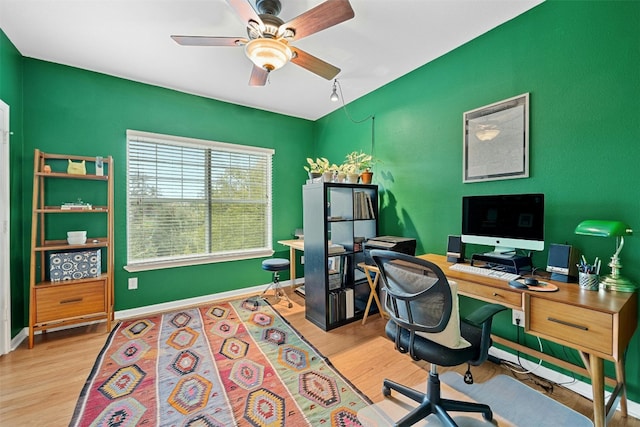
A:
{"x":575,"y":325}
{"x":489,"y":293}
{"x":72,"y":300}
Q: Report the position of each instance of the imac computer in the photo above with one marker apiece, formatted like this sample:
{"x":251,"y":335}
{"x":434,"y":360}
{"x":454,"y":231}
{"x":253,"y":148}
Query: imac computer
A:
{"x":507,"y":222}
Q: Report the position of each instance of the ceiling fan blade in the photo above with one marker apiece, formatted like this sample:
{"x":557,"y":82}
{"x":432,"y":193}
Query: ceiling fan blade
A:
{"x":323,"y":16}
{"x":209,"y":41}
{"x":313,"y":64}
{"x":246,"y":12}
{"x":258,"y":76}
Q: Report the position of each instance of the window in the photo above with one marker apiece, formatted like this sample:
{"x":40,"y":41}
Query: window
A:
{"x":193,"y":201}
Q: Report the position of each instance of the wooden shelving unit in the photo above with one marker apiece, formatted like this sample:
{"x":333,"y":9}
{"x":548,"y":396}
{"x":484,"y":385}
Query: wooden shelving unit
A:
{"x":52,"y":303}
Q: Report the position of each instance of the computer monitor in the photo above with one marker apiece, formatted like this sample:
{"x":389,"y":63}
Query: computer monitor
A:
{"x":508,"y":222}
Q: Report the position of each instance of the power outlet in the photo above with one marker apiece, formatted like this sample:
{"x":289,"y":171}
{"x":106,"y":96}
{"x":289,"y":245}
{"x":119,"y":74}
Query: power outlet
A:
{"x":517,"y":318}
{"x":133,"y":283}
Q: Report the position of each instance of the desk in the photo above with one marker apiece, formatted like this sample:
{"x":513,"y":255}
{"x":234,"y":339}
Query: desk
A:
{"x":373,"y":293}
{"x":294,"y":245}
{"x":599,"y":325}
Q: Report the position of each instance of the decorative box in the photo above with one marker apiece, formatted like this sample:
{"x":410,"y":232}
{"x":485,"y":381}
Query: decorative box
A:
{"x":74,"y":265}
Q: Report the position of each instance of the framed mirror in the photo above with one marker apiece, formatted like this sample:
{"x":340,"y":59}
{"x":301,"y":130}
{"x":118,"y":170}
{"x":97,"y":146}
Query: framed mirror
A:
{"x":496,"y":141}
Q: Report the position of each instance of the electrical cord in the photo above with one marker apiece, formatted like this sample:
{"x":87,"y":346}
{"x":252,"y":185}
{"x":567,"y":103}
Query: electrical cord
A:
{"x":372,"y":117}
{"x":510,"y":365}
{"x":336,"y":82}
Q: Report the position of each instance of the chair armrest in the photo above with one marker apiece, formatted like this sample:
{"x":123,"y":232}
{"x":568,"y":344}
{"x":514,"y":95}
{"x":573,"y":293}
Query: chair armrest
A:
{"x":482,"y":318}
{"x":484,"y":313}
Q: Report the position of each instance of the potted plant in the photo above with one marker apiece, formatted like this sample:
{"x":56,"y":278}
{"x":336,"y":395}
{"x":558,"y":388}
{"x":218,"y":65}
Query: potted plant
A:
{"x":360,"y":163}
{"x":317,"y":167}
{"x":351,"y":172}
{"x":341,"y":173}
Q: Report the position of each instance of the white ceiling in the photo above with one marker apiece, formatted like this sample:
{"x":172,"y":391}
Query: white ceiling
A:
{"x":130,"y":39}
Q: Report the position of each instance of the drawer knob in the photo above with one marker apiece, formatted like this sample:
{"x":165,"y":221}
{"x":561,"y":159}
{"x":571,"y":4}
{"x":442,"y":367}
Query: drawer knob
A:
{"x":572,"y":325}
{"x":70,"y":301}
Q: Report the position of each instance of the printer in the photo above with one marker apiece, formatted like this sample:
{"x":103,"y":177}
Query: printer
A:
{"x":405,"y":245}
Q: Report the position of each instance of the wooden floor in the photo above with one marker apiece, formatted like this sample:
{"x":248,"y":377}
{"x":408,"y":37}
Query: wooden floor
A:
{"x":39,"y":387}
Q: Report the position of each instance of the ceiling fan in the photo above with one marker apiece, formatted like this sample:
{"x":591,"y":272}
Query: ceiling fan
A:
{"x":268,"y":43}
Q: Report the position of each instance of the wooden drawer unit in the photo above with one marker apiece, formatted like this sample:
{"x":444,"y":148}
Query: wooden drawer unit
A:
{"x":580,"y":327}
{"x":73,"y":300}
{"x":84,"y":297}
{"x":498,"y":295}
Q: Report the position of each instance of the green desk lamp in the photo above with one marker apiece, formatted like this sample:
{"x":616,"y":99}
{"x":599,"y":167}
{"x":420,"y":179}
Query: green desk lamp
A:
{"x":613,"y":281}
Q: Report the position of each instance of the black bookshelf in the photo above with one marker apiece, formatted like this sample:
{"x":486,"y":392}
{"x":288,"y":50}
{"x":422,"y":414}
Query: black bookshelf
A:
{"x":340,"y":214}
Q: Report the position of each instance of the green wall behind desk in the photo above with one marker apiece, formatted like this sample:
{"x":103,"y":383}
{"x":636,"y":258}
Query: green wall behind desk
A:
{"x":580,"y":62}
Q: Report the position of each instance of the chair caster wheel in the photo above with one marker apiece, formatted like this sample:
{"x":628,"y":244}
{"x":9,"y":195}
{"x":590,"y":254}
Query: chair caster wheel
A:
{"x":290,"y":305}
{"x":386,"y":391}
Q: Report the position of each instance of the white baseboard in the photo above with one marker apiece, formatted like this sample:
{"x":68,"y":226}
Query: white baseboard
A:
{"x":21,"y":336}
{"x":174,"y":305}
{"x":580,"y":387}
{"x":155,"y":308}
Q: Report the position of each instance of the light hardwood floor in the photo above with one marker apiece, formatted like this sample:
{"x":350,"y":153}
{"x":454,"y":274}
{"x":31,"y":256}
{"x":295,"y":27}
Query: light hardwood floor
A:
{"x":39,"y":387}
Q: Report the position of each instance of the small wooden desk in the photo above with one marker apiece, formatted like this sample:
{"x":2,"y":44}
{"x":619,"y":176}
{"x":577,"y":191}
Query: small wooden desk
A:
{"x":373,"y":293}
{"x":598,"y":324}
{"x":294,"y":245}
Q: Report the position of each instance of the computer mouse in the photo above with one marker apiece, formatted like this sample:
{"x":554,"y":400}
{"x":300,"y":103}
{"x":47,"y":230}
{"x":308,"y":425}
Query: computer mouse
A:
{"x":530,"y":281}
{"x":518,"y":285}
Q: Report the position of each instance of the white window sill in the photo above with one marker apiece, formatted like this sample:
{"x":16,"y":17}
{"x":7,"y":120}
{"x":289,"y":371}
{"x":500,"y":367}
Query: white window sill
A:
{"x":145,"y":266}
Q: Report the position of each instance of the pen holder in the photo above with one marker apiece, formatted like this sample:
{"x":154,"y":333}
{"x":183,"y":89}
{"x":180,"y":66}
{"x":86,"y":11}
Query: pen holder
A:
{"x":589,"y":281}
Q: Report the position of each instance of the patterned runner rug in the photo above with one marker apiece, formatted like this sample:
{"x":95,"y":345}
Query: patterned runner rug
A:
{"x":224,"y":364}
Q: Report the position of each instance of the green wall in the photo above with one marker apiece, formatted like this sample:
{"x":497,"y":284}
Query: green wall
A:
{"x":11,"y":93}
{"x":579,"y":61}
{"x":69,"y":110}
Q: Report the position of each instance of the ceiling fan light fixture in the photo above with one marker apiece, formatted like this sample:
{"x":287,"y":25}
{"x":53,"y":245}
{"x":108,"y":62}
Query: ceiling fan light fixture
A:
{"x":269,"y":54}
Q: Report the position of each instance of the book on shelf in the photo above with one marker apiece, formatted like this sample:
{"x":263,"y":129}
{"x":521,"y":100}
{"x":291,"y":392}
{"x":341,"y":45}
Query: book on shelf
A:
{"x":335,"y":280}
{"x":363,"y":205}
{"x":76,"y":207}
{"x":345,"y":269}
{"x":341,"y":305}
{"x":372,"y":214}
{"x":335,"y":248}
{"x":349,"y":303}
{"x":333,"y":264}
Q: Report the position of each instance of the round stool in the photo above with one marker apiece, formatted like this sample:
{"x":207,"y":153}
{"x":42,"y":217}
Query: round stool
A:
{"x":276,"y":265}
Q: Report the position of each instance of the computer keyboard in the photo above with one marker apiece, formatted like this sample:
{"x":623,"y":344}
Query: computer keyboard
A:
{"x":497,"y":274}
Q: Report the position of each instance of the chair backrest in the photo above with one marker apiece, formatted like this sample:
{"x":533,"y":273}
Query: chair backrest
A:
{"x":418,"y":295}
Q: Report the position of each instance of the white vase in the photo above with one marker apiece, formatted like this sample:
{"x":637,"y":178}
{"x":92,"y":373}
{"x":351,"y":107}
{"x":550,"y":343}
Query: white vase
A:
{"x":327,"y":176}
{"x":352,"y":178}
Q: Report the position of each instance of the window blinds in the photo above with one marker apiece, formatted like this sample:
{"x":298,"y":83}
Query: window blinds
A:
{"x":194,"y":199}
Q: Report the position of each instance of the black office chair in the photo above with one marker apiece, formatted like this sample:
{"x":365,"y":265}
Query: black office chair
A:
{"x":425,"y":323}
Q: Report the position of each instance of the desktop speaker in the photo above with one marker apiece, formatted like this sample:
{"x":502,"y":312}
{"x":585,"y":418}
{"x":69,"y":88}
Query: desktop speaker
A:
{"x":455,"y":249}
{"x":562,"y":263}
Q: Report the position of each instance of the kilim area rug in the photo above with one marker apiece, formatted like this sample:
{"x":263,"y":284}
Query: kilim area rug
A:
{"x":225,"y":364}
